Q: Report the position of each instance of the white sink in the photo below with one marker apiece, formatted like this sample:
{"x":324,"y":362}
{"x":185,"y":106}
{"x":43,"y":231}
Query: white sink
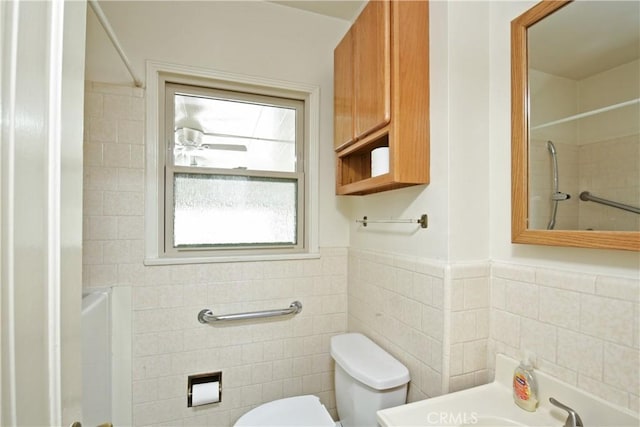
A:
{"x":492,"y":405}
{"x":491,"y":421}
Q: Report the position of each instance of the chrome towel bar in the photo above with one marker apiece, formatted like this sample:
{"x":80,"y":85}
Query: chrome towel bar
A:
{"x":207,"y":316}
{"x":423,"y":221}
{"x":586,"y":196}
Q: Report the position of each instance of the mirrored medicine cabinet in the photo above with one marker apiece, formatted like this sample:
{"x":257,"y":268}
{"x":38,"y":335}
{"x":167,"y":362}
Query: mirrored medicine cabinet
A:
{"x":575,"y":105}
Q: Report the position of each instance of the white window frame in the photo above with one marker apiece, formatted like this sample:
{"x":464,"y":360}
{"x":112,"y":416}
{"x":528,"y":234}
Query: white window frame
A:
{"x":157,"y":74}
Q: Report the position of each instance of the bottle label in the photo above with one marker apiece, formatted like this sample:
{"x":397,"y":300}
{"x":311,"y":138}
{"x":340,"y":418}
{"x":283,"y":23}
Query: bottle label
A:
{"x":521,"y":388}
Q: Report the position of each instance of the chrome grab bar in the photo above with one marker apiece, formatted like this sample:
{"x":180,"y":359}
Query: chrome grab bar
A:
{"x":586,"y":196}
{"x":207,"y":316}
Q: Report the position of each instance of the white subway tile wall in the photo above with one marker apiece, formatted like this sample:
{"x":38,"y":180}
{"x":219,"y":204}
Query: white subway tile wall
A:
{"x":610,"y":169}
{"x":468,"y":310}
{"x":583,"y":329}
{"x":399,"y":303}
{"x":260,"y":361}
{"x":444,"y":321}
{"x":607,"y":168}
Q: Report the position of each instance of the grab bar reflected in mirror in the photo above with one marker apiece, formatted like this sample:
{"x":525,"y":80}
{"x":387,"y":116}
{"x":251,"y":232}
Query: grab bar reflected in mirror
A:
{"x":586,"y":196}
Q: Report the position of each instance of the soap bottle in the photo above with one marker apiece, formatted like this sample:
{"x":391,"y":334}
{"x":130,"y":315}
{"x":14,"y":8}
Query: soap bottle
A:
{"x":525,"y":388}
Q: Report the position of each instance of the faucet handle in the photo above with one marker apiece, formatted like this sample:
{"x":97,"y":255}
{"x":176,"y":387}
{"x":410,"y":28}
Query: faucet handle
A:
{"x":573,"y":420}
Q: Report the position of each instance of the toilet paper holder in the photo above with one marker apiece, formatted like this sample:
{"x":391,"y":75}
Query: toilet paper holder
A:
{"x":211,"y":377}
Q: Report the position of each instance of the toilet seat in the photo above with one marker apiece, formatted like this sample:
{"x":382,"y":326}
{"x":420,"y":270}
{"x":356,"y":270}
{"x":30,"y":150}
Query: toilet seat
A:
{"x":299,"y":411}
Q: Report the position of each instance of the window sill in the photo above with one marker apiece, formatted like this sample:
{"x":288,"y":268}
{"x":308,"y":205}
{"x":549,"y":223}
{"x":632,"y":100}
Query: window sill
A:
{"x":150,"y":261}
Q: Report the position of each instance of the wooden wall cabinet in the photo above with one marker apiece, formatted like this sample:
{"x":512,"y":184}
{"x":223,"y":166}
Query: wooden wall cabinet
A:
{"x":381,"y":97}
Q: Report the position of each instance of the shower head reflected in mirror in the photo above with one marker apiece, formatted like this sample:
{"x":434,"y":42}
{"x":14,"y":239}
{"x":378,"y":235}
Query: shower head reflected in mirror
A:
{"x":556,"y":195}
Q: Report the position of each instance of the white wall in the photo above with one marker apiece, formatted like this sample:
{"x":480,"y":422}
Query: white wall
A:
{"x":456,"y":198}
{"x":247,"y":37}
{"x":621,"y":263}
{"x":464,"y":154}
{"x":468,"y":199}
{"x":609,"y":159}
{"x":552,"y":98}
{"x":598,"y":153}
{"x":537,"y":296}
{"x":608,"y":88}
{"x":41,"y":71}
{"x":260,"y":361}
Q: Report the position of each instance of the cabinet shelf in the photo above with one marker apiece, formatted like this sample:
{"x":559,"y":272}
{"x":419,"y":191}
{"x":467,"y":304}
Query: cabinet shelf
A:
{"x":353,"y":168}
{"x":375,"y":140}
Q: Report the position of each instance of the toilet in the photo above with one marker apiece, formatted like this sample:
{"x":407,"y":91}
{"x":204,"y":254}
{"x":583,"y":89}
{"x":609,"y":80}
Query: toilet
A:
{"x":367,"y":379}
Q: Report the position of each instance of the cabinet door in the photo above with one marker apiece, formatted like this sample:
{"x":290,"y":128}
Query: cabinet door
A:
{"x":372,"y":80}
{"x":343,"y":131}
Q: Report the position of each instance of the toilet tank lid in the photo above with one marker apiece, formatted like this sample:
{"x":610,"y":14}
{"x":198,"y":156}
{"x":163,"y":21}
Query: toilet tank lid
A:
{"x":365,"y":361}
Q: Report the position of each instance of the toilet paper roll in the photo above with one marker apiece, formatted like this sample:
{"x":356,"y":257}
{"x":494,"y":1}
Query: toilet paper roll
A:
{"x":379,"y":161}
{"x":205,"y":393}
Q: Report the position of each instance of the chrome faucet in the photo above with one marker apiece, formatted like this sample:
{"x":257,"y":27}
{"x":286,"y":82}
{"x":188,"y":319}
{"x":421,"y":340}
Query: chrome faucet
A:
{"x":573,"y":420}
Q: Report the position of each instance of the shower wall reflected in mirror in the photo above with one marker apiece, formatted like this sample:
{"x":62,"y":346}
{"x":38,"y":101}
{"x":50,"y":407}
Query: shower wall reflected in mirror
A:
{"x":584,"y":126}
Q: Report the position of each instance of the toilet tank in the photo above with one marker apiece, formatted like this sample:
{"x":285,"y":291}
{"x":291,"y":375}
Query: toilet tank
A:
{"x":367,"y":379}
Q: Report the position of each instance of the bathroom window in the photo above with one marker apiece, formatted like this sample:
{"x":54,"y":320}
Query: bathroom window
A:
{"x":233,"y":181}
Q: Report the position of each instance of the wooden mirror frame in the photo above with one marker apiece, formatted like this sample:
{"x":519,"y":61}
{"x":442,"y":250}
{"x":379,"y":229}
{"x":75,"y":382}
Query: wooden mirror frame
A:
{"x":627,"y":240}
